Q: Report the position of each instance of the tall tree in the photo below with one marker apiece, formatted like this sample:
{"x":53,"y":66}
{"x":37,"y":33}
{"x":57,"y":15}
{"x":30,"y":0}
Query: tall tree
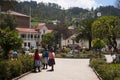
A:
{"x":118,"y":4}
{"x":7,"y":20}
{"x":9,"y":40}
{"x":7,"y":4}
{"x":85,"y":32}
{"x":48,"y":40}
{"x":60,"y":31}
{"x":107,"y":27}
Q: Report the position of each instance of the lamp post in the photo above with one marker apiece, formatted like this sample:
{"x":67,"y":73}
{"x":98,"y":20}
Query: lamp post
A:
{"x":30,"y":26}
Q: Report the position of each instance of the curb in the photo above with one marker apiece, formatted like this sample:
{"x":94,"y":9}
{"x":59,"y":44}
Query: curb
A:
{"x":22,"y":75}
{"x":97,"y":74}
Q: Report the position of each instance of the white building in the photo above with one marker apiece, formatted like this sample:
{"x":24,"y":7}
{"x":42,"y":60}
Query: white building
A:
{"x":32,"y":36}
{"x":71,"y":42}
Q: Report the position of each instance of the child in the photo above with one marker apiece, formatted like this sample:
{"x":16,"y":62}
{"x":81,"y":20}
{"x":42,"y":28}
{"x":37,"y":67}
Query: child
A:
{"x":37,"y":62}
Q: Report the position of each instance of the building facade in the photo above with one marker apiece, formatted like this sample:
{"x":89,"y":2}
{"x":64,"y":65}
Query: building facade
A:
{"x":32,"y":36}
{"x":22,"y":20}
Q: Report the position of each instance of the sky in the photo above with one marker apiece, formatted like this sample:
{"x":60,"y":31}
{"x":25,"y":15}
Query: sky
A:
{"x":86,"y":4}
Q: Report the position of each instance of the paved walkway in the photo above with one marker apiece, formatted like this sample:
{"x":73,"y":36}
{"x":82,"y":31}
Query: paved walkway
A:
{"x":66,"y":69}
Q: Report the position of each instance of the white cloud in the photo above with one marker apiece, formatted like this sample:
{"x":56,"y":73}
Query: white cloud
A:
{"x":73,"y":3}
{"x":86,"y":4}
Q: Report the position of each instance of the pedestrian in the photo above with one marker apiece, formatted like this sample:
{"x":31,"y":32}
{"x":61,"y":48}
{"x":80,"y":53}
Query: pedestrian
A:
{"x":51,"y":61}
{"x":37,"y":62}
{"x":15,"y":54}
{"x":46,"y":58}
{"x":43,"y":58}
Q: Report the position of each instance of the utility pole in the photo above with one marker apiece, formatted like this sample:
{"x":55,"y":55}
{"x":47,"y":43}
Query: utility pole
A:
{"x":30,"y":26}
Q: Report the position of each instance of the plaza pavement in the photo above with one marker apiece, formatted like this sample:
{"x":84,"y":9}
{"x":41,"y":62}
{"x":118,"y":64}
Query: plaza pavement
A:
{"x":65,"y":69}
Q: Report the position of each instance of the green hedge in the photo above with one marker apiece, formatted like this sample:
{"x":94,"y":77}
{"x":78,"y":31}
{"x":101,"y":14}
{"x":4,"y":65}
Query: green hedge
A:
{"x":27,"y":62}
{"x":12,"y":68}
{"x":106,"y":71}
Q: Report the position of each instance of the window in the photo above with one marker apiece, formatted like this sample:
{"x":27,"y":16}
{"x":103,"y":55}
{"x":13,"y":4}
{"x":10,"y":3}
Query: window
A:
{"x":28,"y":44}
{"x":25,"y":44}
{"x":23,"y":35}
{"x":31,"y":35}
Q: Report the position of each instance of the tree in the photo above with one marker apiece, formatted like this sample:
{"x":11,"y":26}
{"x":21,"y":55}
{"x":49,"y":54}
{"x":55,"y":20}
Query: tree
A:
{"x":60,"y":31}
{"x":118,"y":4}
{"x":7,"y":20}
{"x":48,"y":40}
{"x":84,"y":31}
{"x":98,"y":44}
{"x":107,"y":27}
{"x":7,"y":4}
{"x":9,"y":40}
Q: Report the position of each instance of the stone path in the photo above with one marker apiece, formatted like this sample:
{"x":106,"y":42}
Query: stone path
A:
{"x":66,"y":69}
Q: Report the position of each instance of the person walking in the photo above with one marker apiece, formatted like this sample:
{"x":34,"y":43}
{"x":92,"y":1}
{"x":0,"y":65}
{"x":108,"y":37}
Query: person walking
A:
{"x":43,"y":58}
{"x":51,"y":60}
{"x":37,"y":62}
{"x":46,"y":58}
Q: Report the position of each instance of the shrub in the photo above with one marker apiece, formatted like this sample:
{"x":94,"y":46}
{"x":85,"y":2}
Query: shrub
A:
{"x":105,"y":52}
{"x":15,"y":68}
{"x":91,"y":54}
{"x":63,"y":54}
{"x":27,"y":62}
{"x":10,"y":69}
{"x":106,"y":71}
{"x":67,"y":50}
{"x":83,"y":51}
{"x":96,"y":62}
{"x":58,"y":55}
{"x":117,"y":78}
{"x":4,"y":70}
{"x":98,"y":43}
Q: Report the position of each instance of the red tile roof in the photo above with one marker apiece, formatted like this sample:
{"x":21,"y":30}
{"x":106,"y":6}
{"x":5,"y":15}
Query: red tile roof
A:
{"x":40,"y":26}
{"x":26,"y":30}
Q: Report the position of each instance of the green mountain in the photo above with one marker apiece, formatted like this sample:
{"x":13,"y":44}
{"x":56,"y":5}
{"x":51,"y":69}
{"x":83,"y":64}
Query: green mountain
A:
{"x":45,"y":12}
